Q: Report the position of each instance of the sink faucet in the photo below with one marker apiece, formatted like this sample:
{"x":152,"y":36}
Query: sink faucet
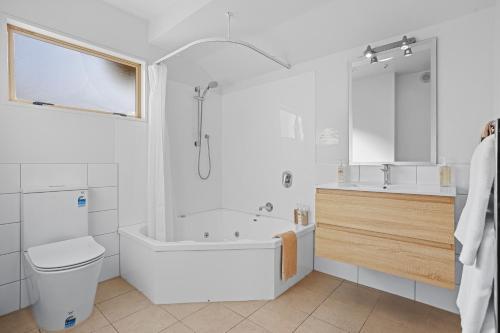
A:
{"x":268,"y":206}
{"x":386,"y":169}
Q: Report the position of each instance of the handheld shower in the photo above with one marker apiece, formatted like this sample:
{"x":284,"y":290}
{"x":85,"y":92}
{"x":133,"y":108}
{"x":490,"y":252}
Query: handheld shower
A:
{"x":211,"y":85}
{"x":200,"y":98}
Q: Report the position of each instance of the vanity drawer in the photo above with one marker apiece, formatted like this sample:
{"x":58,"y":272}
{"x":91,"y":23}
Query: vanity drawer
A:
{"x":425,"y":217}
{"x":433,"y":265}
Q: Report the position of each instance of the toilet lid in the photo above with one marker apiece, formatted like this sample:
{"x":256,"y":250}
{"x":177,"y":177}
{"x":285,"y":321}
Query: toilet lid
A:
{"x":71,"y":252}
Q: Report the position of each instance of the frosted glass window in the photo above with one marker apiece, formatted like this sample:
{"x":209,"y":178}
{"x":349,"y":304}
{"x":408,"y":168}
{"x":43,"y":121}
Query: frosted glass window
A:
{"x":47,"y":71}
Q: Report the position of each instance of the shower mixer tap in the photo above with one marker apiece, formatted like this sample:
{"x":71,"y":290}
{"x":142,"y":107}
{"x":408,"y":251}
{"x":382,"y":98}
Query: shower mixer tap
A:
{"x":268,"y":207}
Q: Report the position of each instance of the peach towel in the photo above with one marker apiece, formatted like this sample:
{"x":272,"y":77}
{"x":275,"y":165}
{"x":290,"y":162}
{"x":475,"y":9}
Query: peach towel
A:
{"x":288,"y":254}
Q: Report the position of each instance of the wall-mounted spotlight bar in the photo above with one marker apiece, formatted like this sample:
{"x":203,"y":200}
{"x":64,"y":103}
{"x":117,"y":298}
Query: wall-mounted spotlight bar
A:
{"x":403,"y":44}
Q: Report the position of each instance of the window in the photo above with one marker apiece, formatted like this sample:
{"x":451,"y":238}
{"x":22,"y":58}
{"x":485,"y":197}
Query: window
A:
{"x":47,"y":71}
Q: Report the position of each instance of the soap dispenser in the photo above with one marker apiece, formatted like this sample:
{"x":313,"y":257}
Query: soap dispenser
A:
{"x":341,"y":172}
{"x":444,"y":173}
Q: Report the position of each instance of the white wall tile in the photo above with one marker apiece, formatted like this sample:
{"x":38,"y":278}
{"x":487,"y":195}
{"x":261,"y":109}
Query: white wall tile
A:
{"x":460,"y":201}
{"x":458,"y":270}
{"x":9,"y":271}
{"x":10,"y":238}
{"x":335,"y":268}
{"x":53,"y":174}
{"x":10,"y":205}
{"x":9,"y":297}
{"x":439,"y":297}
{"x":110,"y":243}
{"x":327,"y":173}
{"x":103,"y":222}
{"x":23,"y":264}
{"x":101,"y":175}
{"x":25,"y":300}
{"x":110,"y":268}
{"x":354,"y":173}
{"x":460,"y":177}
{"x":428,"y":175}
{"x":10,"y":178}
{"x":102,"y":198}
{"x":389,"y":283}
{"x":402,"y":174}
{"x":371,"y":174}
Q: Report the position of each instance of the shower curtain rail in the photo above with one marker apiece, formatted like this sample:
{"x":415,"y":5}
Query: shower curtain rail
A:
{"x":225,"y":40}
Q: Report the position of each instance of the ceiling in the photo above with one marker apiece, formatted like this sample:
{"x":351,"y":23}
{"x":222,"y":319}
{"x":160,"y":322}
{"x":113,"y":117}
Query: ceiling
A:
{"x":295,"y":30}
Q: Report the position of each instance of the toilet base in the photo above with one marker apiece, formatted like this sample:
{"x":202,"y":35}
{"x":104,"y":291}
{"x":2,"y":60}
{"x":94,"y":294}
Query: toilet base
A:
{"x":63,"y":299}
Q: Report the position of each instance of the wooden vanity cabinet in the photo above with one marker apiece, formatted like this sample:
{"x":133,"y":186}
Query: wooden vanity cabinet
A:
{"x":408,"y":235}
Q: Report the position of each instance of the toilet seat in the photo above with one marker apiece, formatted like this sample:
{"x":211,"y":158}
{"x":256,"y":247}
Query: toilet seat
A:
{"x":65,"y":255}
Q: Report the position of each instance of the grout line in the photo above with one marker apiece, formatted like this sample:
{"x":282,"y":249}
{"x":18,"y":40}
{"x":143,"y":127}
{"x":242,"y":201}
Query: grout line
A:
{"x":182,"y":320}
{"x":371,"y":312}
{"x":321,"y":303}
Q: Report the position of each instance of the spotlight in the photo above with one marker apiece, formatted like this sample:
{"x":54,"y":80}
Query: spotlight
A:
{"x":373,"y":60}
{"x":368,"y":52}
{"x":404,"y":43}
{"x":408,"y":52}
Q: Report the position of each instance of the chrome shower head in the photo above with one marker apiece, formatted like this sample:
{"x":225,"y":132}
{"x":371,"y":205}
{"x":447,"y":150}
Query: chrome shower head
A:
{"x":211,"y":85}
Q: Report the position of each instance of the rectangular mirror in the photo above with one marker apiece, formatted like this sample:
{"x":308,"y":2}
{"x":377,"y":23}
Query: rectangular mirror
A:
{"x":392,"y":107}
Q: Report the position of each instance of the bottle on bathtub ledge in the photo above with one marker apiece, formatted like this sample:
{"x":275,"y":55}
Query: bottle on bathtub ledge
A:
{"x":301,"y":215}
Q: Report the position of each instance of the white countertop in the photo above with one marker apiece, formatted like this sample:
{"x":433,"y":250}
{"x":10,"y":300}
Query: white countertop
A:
{"x":449,"y":191}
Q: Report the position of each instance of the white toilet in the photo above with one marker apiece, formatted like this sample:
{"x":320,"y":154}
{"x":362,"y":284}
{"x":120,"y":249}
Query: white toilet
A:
{"x":62,"y":263}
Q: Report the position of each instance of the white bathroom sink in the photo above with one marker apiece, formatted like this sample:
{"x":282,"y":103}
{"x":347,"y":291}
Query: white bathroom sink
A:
{"x":395,"y":188}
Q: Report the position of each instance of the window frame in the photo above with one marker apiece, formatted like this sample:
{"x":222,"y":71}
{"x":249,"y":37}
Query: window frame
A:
{"x":75,"y":46}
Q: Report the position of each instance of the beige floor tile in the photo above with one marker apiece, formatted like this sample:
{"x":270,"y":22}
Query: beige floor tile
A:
{"x":247,"y":326}
{"x":245,"y":308}
{"x":121,"y":306}
{"x":213,"y":318}
{"x":402,"y":310}
{"x":178,"y":328}
{"x":91,"y":324}
{"x":348,"y":307}
{"x":106,"y":329}
{"x":376,"y":324}
{"x":278,"y":317}
{"x":112,"y":288}
{"x":302,"y":299}
{"x":320,"y":282}
{"x":182,"y":310}
{"x":443,"y":321}
{"x":314,"y":325}
{"x":19,"y":321}
{"x":149,"y":320}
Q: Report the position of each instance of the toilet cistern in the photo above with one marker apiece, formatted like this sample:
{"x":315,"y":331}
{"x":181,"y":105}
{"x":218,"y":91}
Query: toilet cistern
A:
{"x":268,"y":207}
{"x":386,"y":169}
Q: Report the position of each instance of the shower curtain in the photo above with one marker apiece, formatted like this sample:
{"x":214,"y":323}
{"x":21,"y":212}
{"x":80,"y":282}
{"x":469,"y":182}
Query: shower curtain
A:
{"x":160,"y":214}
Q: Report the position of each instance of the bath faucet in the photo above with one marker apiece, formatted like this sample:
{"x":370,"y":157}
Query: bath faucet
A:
{"x":386,"y":169}
{"x":268,"y":206}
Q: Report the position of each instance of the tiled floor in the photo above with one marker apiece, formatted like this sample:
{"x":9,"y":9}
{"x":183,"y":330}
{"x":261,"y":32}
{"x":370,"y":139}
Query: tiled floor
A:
{"x":319,"y":303}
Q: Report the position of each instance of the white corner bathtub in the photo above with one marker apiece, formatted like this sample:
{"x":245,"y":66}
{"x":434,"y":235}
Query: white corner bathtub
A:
{"x":219,"y":255}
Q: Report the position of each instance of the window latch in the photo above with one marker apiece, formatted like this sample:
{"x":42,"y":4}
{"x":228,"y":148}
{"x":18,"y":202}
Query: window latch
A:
{"x":42,"y":103}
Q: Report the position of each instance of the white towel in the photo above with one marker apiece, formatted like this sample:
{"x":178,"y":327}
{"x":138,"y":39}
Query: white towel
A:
{"x":476,"y":286}
{"x":471,"y":224}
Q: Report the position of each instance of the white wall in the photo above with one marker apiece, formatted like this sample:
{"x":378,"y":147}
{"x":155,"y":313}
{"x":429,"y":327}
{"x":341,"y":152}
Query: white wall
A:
{"x":268,"y":129}
{"x":463,"y":107}
{"x":191,"y":193}
{"x":92,"y":21}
